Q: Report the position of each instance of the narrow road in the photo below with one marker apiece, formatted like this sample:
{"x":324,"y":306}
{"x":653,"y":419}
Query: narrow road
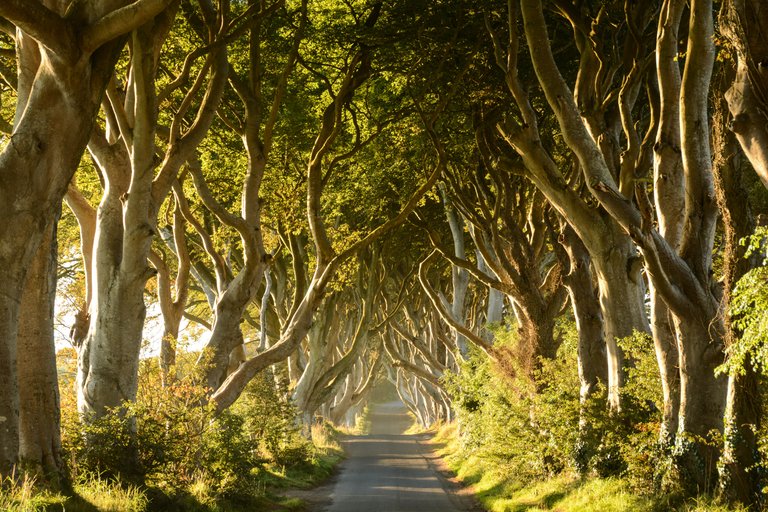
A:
{"x":387,"y":471}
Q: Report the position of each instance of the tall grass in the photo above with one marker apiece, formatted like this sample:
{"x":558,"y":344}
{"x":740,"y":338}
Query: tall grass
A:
{"x":92,"y":493}
{"x":111,"y":496}
{"x":20,"y":495}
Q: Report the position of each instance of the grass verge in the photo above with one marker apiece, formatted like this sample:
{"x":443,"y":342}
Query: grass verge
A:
{"x":96,"y":494}
{"x":499,"y":491}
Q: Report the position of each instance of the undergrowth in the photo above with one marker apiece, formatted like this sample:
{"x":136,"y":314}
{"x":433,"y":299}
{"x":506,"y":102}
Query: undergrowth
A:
{"x":169,"y":451}
{"x":530,"y":444}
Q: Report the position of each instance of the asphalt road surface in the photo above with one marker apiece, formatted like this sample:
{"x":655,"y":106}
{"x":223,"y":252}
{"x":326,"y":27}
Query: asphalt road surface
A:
{"x":387,"y":471}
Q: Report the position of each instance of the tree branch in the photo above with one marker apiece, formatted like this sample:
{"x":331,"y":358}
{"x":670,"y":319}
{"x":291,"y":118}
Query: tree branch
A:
{"x":120,"y":21}
{"x":42,"y":24}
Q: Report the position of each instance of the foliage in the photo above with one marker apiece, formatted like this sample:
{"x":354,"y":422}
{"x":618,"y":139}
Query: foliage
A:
{"x":170,"y":446}
{"x":749,"y":304}
{"x":505,"y":420}
{"x":538,"y":430}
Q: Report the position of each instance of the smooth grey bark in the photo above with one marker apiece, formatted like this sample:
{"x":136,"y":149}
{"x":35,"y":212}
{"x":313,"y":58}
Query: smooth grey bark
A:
{"x":357,"y":391}
{"x":311,"y":394}
{"x":78,"y":52}
{"x":495,"y":303}
{"x":745,"y":23}
{"x":591,"y":351}
{"x":685,"y":279}
{"x":592,"y":360}
{"x":264,"y":313}
{"x":459,"y":276}
{"x":86,"y":220}
{"x":669,"y":202}
{"x":127,"y":216}
{"x":172,"y":294}
{"x":326,"y":333}
{"x":617,"y":267}
{"x":39,"y":412}
{"x":108,"y":361}
{"x":420,"y":376}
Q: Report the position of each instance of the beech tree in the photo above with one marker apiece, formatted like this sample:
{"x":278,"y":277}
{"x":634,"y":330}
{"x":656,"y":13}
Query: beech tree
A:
{"x":353,"y":79}
{"x":39,"y":412}
{"x":684,"y":276}
{"x":522,"y":150}
{"x":136,"y":185}
{"x":345,"y":193}
{"x":744,"y":22}
{"x":513,"y":232}
{"x":342,"y":340}
{"x":66,"y":53}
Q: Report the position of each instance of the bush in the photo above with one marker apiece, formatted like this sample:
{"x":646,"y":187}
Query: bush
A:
{"x":171,"y":440}
{"x":270,"y":421}
{"x":529,"y":428}
{"x":537,"y":429}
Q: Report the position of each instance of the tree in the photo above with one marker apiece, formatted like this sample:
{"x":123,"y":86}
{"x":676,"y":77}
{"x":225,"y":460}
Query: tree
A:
{"x":39,"y":412}
{"x":522,"y":150}
{"x":684,"y":276}
{"x":354,"y":74}
{"x":744,"y":22}
{"x":133,"y":195}
{"x":65,"y":59}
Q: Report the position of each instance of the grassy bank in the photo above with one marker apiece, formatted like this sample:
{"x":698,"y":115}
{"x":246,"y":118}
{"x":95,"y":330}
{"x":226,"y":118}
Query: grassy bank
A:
{"x":499,"y":490}
{"x":93,"y":493}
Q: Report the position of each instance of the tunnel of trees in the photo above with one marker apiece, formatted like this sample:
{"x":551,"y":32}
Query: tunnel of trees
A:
{"x":543,"y":220}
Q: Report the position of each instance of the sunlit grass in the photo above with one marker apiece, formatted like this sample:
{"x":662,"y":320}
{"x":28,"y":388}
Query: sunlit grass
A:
{"x":324,"y":437}
{"x":21,"y":495}
{"x":362,"y":424}
{"x":499,"y":491}
{"x":110,"y":496}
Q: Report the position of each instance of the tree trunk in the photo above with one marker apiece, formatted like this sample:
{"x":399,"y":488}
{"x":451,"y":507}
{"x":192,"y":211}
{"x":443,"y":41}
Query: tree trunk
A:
{"x":127,"y":217}
{"x":702,"y":402}
{"x":667,"y":357}
{"x":591,"y":353}
{"x":592,"y":360}
{"x":740,"y":479}
{"x":108,"y":363}
{"x":459,"y":276}
{"x":669,"y":200}
{"x":621,"y":300}
{"x":36,"y":167}
{"x":39,"y":414}
{"x":226,"y":337}
{"x":322,"y":337}
{"x":9,"y":398}
{"x":745,"y":23}
{"x":64,"y":64}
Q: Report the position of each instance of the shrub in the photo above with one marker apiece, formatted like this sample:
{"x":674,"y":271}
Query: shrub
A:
{"x":170,"y":438}
{"x":536,"y":429}
{"x":527,"y":427}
